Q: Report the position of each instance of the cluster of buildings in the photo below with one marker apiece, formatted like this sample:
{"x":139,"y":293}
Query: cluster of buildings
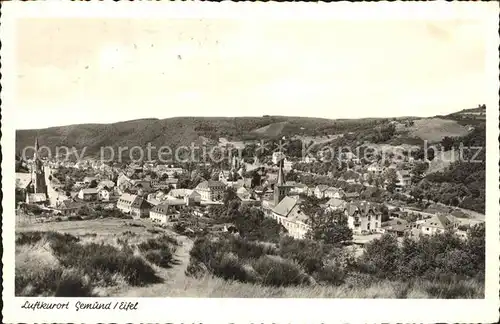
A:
{"x":158,"y":198}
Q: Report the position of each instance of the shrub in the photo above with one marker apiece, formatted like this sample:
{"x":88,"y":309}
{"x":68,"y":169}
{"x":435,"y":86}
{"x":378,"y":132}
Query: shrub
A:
{"x":33,"y":237}
{"x":73,"y":284}
{"x":229,"y":267}
{"x":36,"y":281}
{"x":159,"y":251}
{"x":101,"y":262}
{"x":28,"y":238}
{"x":279,"y":272}
{"x":309,"y":254}
{"x":161,"y":258}
{"x":331,"y":274}
{"x":381,"y":257}
{"x":196,"y":269}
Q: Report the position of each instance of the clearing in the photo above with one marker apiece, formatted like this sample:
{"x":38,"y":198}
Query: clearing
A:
{"x":434,"y":129}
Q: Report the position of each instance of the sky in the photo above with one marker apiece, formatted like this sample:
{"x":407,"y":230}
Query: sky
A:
{"x":73,"y":71}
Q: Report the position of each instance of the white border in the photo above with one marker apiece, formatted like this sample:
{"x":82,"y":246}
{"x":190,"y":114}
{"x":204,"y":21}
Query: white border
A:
{"x":228,"y":310}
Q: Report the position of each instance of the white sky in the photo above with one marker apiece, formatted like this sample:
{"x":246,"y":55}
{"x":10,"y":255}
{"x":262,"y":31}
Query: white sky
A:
{"x":91,"y":70}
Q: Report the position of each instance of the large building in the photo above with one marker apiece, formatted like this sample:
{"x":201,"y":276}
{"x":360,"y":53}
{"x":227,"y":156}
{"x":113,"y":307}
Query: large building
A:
{"x":363,"y":217}
{"x":211,"y":190}
{"x":289,"y":214}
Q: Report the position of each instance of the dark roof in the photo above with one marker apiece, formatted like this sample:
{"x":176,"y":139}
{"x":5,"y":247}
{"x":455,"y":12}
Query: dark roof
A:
{"x":140,"y":203}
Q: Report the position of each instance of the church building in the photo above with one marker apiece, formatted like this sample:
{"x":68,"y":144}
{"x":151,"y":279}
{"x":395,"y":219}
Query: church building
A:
{"x":38,"y":192}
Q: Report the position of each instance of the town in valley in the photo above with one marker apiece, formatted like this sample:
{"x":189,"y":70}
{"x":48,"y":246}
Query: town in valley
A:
{"x":290,"y":207}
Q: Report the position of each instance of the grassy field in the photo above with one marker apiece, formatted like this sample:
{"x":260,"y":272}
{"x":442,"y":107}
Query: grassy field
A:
{"x":42,"y":261}
{"x":434,"y":129}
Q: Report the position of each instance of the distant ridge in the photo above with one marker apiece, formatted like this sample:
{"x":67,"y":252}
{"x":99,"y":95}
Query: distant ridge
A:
{"x":178,"y":131}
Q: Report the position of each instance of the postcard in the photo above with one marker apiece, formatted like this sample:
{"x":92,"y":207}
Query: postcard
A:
{"x":241,"y":162}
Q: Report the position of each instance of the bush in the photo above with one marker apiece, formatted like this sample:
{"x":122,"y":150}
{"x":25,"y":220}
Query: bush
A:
{"x":331,"y":274}
{"x":279,"y":272}
{"x":73,"y":284}
{"x":309,"y":254}
{"x":430,"y":257}
{"x":101,"y":262}
{"x":33,"y":237}
{"x":159,"y":251}
{"x":162,"y":258}
{"x":229,"y":267}
{"x":381,"y":257}
{"x":28,"y":238}
{"x":36,"y":281}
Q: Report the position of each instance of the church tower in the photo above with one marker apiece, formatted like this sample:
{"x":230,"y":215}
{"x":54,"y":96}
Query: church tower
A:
{"x":39,"y":184}
{"x":280,"y":189}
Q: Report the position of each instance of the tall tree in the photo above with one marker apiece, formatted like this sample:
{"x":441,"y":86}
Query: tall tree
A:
{"x":329,"y":228}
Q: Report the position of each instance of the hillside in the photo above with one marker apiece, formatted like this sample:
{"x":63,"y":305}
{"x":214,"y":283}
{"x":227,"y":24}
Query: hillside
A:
{"x":434,"y":129}
{"x":171,"y":131}
{"x":177,"y":131}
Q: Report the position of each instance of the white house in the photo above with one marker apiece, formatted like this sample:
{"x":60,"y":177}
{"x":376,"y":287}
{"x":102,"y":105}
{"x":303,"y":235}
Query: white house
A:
{"x":125,"y":201}
{"x":166,"y":211}
{"x":363,"y":217}
{"x":89,"y":194}
{"x":436,"y":224}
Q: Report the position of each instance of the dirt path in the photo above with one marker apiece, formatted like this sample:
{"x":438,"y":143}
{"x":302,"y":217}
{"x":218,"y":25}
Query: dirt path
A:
{"x":174,"y":278}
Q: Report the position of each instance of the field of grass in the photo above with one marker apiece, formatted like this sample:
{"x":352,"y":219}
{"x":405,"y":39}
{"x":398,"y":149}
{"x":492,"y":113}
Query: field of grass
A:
{"x":434,"y":129}
{"x":130,"y":258}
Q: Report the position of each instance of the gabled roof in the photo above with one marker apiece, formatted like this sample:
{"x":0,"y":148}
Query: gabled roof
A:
{"x":296,"y":214}
{"x":438,"y":221}
{"x":140,"y":203}
{"x":128,"y":197}
{"x":284,"y":207}
{"x":363,"y":207}
{"x":23,"y":180}
{"x":209,"y":184}
{"x":163,"y":208}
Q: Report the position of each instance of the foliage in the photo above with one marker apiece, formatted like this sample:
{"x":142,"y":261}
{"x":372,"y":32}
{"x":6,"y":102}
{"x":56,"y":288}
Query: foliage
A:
{"x":441,"y":256}
{"x":330,"y":228}
{"x":102,"y":262}
{"x":159,"y":250}
{"x":463,"y":183}
{"x":308,"y":253}
{"x":279,"y":272}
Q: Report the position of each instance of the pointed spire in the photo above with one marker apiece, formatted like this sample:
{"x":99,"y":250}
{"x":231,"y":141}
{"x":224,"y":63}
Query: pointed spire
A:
{"x":37,"y":148}
{"x":281,"y":176}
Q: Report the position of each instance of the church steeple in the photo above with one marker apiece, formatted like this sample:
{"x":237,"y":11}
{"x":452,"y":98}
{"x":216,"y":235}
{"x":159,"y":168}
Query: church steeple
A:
{"x":37,"y":148}
{"x":280,"y":189}
{"x":281,"y":176}
{"x":40,"y":186}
